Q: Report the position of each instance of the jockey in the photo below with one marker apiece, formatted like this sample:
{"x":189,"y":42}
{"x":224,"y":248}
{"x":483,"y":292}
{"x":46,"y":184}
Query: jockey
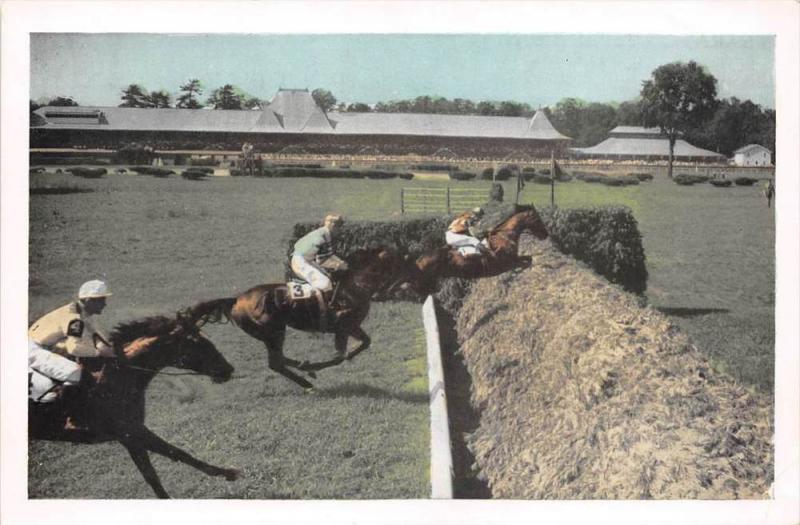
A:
{"x":311,"y":252}
{"x":460,"y":233}
{"x":66,"y":331}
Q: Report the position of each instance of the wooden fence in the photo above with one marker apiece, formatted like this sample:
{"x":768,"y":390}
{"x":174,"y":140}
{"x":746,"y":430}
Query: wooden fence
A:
{"x":441,"y":200}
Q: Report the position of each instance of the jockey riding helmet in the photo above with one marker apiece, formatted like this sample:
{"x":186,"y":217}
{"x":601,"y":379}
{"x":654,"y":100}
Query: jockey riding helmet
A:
{"x":93,"y":289}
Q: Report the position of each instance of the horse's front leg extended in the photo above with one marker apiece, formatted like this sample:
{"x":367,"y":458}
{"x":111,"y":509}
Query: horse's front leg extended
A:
{"x":152,"y":442}
{"x":359,"y":334}
{"x":142,"y":459}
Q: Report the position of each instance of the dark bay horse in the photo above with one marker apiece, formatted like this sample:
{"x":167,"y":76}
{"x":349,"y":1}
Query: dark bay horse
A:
{"x":111,"y":403}
{"x":265,"y":311}
{"x":503,"y":244}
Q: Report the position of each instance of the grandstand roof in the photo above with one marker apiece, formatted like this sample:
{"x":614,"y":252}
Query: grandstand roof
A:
{"x":294,"y":111}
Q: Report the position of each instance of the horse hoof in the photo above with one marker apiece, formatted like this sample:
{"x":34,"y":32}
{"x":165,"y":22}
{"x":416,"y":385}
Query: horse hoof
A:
{"x":231,"y":474}
{"x":309,"y":391}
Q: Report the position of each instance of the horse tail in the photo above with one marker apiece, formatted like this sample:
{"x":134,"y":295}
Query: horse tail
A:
{"x":212,"y":311}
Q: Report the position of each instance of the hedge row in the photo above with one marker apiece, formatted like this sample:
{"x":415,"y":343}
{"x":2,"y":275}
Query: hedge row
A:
{"x":720,"y":183}
{"x":744,"y":181}
{"x":196,"y":173}
{"x":325,"y":173}
{"x":606,"y":239}
{"x":461,"y":175}
{"x":686,"y":179}
{"x":87,"y":173}
{"x":150,"y":170}
{"x":433,"y":167}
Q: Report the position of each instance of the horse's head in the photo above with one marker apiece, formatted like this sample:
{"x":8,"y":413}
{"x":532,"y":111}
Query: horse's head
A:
{"x":529,"y":220}
{"x":377,"y":270}
{"x":158,"y":342}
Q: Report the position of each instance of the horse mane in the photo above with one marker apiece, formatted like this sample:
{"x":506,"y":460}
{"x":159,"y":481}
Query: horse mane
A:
{"x":155,"y":326}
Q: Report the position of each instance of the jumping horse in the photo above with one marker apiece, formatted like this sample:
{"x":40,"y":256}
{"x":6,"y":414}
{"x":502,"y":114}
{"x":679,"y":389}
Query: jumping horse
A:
{"x":265,"y":311}
{"x":503,"y":247}
{"x":110,"y":404}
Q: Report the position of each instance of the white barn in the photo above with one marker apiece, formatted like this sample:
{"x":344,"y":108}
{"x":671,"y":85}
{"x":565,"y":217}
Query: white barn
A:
{"x":752,"y":155}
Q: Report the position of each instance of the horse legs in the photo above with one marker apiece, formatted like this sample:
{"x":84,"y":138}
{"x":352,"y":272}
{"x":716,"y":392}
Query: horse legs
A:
{"x":142,"y":460}
{"x":278,"y":362}
{"x":150,"y":441}
{"x":357,"y":333}
{"x":340,"y":342}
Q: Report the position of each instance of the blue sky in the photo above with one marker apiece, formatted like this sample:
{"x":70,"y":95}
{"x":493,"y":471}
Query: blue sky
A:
{"x":537,"y":69}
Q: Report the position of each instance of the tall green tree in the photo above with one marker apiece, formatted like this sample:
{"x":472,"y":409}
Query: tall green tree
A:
{"x":190,"y":95}
{"x":159,"y":99}
{"x":358,"y":107}
{"x":226,"y":97}
{"x":135,"y":96}
{"x":678,"y":98}
{"x":324,"y":99}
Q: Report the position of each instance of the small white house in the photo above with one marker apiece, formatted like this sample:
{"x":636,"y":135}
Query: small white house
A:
{"x":752,"y":155}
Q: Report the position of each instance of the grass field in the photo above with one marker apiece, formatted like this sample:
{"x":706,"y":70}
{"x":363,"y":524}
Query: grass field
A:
{"x":167,"y":243}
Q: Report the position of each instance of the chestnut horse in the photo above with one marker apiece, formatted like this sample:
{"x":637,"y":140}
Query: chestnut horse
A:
{"x":111,"y":403}
{"x":503,"y":243}
{"x":265,"y":311}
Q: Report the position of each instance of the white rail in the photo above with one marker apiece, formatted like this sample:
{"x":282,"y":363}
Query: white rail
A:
{"x":441,"y":458}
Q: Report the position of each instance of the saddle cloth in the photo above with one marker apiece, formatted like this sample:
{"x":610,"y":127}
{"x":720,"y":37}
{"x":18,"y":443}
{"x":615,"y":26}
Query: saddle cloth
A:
{"x":299,"y":290}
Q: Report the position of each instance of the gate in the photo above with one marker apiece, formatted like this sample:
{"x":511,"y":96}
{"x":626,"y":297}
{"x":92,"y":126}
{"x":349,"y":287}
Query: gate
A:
{"x":441,"y":200}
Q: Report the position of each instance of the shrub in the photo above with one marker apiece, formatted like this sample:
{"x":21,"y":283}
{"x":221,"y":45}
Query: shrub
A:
{"x":720,"y":183}
{"x":607,"y":239}
{"x":150,"y":170}
{"x":462,"y":175}
{"x":503,"y":173}
{"x":380,"y":174}
{"x":120,"y":171}
{"x":433,"y":167}
{"x":641,"y":176}
{"x":542,"y":179}
{"x":88,"y":173}
{"x":487,"y":174}
{"x":235,"y":172}
{"x":405,"y":176}
{"x":545,"y":171}
{"x":37,"y":169}
{"x":619,"y":181}
{"x":194,"y":174}
{"x":528,"y":169}
{"x":564,"y":177}
{"x":744,"y":181}
{"x":687,"y":179}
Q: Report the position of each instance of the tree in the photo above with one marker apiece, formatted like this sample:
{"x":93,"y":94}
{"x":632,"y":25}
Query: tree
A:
{"x":358,"y":107}
{"x":629,"y":113}
{"x":485,"y":108}
{"x":252,"y":102}
{"x":677,"y":99}
{"x":62,"y":101}
{"x":159,"y":99}
{"x":324,"y":99}
{"x":190,"y":92}
{"x":135,"y":96}
{"x":226,"y":97}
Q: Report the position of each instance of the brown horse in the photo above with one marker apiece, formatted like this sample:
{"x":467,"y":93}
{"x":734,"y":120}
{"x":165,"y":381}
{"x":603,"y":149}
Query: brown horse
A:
{"x":503,"y":244}
{"x":265,"y":311}
{"x":111,"y":403}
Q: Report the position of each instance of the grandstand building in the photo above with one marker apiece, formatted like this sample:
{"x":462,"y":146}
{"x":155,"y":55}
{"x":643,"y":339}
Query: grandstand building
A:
{"x":645,"y":144}
{"x":293,"y":123}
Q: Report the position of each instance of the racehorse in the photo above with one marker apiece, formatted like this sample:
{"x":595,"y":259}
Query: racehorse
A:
{"x":503,"y":245}
{"x":265,"y":311}
{"x":111,"y":403}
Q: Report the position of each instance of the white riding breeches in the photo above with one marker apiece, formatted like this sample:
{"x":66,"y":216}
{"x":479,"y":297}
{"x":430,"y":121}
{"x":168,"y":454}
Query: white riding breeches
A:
{"x":458,"y":240}
{"x":44,"y":367}
{"x":313,"y":275}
